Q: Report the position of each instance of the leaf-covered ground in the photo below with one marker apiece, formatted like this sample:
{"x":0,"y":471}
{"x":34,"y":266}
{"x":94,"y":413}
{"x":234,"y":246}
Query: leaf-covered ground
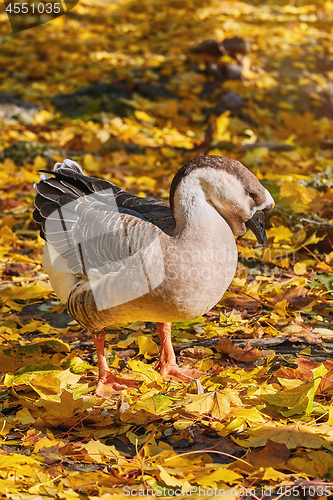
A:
{"x":148,"y":105}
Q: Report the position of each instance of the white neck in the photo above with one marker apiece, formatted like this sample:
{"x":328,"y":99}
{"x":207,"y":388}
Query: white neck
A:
{"x":192,"y":211}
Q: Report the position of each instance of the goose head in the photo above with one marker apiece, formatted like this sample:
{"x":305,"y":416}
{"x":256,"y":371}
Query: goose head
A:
{"x":229,"y":187}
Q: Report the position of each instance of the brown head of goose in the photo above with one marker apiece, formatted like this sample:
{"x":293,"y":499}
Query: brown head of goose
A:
{"x":114,"y":257}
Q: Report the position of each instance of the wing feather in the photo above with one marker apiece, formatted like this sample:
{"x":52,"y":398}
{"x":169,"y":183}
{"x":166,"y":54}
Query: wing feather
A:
{"x":93,"y":225}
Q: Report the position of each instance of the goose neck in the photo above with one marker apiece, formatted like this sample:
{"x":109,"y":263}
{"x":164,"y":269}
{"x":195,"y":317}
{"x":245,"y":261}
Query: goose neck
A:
{"x":191,"y":209}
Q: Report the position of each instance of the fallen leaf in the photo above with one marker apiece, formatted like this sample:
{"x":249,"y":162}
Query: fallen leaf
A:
{"x":246,"y":355}
{"x":99,"y":452}
{"x":274,"y":454}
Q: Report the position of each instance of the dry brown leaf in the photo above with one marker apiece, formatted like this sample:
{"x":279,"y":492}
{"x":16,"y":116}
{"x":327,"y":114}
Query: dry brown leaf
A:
{"x":246,"y":355}
{"x":309,"y":338}
{"x":274,"y":454}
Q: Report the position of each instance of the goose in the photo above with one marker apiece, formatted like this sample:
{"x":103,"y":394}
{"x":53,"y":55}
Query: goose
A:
{"x":114,"y":257}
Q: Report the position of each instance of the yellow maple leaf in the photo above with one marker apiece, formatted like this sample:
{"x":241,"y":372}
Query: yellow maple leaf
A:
{"x":8,"y":461}
{"x":324,"y":267}
{"x":279,"y":233}
{"x":25,"y":292}
{"x":142,"y":115}
{"x":40,"y":163}
{"x":211,"y":479}
{"x":90,"y":162}
{"x":272,"y":474}
{"x":147,"y":371}
{"x":300,"y":124}
{"x":62,"y":411}
{"x":46,"y":385}
{"x":301,"y":196}
{"x":7,"y":237}
{"x":99,"y":452}
{"x":43,"y":116}
{"x":292,"y":436}
{"x":147,"y":346}
{"x":249,"y":414}
{"x":281,"y":308}
{"x":300,"y":268}
{"x":45,"y":442}
{"x":303,"y":464}
{"x":222,"y":124}
{"x":216,"y":404}
{"x":323,"y":462}
{"x":171,"y":480}
{"x":24,"y":417}
{"x":145,"y":182}
{"x":8,"y":360}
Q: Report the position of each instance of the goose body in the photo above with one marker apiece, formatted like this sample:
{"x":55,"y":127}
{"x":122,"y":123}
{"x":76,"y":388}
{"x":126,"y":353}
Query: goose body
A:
{"x":181,"y":270}
{"x":114,"y":257}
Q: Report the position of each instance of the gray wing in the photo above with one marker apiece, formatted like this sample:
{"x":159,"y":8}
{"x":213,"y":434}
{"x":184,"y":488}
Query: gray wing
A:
{"x":92,"y":226}
{"x":151,"y":209}
{"x":94,"y":238}
{"x":120,"y":254}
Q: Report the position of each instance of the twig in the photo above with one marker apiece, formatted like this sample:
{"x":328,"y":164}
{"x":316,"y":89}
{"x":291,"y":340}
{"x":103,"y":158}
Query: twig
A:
{"x":208,"y":451}
{"x":329,"y":240}
{"x":317,"y":223}
{"x":23,"y":231}
{"x":9,"y":342}
{"x":235,"y":290}
{"x":81,"y":485}
{"x":311,"y":253}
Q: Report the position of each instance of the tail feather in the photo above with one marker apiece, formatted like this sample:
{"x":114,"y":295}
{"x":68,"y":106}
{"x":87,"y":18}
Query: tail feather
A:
{"x":68,"y":164}
{"x":58,"y":188}
{"x":53,"y":193}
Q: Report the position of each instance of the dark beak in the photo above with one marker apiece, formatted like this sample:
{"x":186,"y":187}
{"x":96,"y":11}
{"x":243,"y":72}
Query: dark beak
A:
{"x":257,"y":226}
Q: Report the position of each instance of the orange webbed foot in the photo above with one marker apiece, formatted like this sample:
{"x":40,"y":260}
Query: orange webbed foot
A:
{"x":184,"y":374}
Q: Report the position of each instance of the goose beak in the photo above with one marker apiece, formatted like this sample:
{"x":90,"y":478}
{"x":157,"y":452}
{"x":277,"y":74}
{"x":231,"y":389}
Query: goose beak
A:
{"x":257,"y":226}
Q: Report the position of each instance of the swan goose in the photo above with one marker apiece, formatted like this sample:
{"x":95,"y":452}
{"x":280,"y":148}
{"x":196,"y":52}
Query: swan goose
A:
{"x":114,"y":257}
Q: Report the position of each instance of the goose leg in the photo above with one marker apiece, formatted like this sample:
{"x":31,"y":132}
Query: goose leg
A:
{"x":167,"y":362}
{"x":108,"y":383}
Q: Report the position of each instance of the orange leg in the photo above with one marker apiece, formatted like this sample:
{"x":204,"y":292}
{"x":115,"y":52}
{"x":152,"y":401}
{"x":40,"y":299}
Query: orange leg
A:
{"x":108,"y":383}
{"x":167,"y":362}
